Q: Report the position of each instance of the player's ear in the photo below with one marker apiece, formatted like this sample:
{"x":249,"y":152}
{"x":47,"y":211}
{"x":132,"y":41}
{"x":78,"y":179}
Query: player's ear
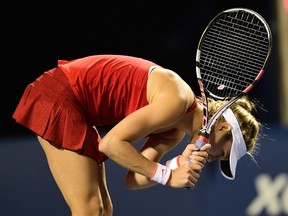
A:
{"x":224,"y":126}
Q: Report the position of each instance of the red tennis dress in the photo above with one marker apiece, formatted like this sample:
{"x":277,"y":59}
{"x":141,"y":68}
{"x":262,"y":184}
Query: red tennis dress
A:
{"x":67,"y":103}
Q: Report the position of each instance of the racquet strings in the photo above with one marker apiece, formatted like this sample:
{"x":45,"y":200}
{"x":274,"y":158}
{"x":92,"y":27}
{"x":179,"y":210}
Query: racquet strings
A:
{"x":233,"y":52}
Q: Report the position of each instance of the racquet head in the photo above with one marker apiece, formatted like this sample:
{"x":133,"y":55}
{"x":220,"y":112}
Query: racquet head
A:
{"x":231,"y":56}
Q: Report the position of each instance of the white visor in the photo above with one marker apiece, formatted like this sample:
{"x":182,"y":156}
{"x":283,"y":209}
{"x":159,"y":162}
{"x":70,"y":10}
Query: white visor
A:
{"x":238,"y":148}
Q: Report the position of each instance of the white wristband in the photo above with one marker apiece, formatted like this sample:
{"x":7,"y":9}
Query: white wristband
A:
{"x":173,"y":163}
{"x":161,"y":174}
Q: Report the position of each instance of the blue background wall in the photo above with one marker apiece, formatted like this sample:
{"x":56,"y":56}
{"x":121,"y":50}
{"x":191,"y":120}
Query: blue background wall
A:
{"x":28,"y":189}
{"x":34,"y":37}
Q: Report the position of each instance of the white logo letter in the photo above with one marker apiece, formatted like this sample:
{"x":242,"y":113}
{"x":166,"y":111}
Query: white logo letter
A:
{"x":268,"y":195}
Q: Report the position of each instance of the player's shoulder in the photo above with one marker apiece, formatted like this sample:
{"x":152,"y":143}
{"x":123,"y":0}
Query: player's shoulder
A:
{"x":164,"y":80}
{"x":164,"y":72}
{"x":167,"y":86}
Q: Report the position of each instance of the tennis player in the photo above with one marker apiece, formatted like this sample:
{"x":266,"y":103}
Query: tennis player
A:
{"x":140,"y":99}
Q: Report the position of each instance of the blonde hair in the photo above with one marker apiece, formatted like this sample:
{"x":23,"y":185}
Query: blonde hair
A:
{"x":248,"y":123}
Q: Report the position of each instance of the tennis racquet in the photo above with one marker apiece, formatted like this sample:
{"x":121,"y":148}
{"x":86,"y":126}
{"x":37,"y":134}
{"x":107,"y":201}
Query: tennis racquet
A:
{"x":231,"y":56}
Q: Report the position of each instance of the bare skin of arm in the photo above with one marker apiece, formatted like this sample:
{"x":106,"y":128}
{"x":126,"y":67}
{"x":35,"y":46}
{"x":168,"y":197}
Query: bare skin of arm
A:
{"x":169,"y":97}
{"x":155,"y":148}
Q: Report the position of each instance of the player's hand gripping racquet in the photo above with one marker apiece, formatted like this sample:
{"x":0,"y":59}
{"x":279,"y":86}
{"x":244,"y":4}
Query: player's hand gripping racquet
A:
{"x":231,"y":57}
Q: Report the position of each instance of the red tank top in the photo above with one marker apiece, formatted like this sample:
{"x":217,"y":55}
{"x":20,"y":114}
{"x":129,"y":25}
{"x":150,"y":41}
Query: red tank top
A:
{"x":109,"y":87}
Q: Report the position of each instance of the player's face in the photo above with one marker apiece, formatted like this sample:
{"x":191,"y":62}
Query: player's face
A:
{"x":221,"y":141}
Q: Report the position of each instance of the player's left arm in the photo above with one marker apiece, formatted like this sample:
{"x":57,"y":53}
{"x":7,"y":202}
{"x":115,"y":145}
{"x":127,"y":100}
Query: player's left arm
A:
{"x":155,"y":147}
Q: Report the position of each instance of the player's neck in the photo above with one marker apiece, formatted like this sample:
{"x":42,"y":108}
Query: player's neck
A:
{"x":191,"y":121}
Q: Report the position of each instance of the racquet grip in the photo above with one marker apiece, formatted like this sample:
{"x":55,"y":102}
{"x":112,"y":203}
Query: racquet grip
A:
{"x":202,"y":138}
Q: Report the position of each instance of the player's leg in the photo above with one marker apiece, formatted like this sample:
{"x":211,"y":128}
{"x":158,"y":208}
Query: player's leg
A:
{"x":77,"y":176}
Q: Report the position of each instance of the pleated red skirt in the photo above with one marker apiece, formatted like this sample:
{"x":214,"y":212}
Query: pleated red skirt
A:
{"x":49,"y":108}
